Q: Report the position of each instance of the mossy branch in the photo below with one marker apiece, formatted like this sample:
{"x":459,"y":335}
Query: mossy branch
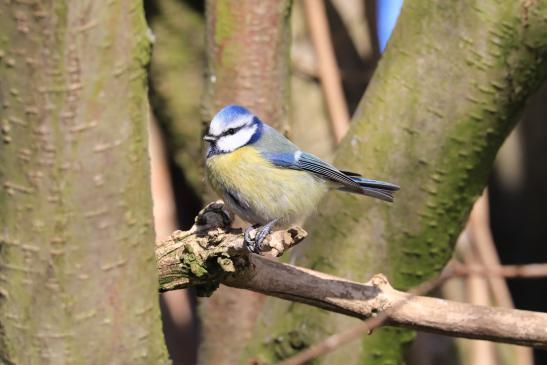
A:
{"x":212,"y":253}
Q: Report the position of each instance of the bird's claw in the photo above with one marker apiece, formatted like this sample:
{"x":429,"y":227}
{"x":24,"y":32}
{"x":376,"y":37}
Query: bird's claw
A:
{"x":249,"y":242}
{"x":254,"y":245}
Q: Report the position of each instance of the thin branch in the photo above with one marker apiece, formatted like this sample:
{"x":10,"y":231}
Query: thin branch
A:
{"x":211,"y":253}
{"x":528,"y":271}
{"x":454,"y":269}
{"x":482,"y":352}
{"x":327,"y":67}
{"x":483,"y":242}
{"x":377,"y":295}
{"x":333,"y":342}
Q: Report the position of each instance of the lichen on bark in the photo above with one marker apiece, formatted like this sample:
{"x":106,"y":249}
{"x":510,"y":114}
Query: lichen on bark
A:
{"x":212,"y":251}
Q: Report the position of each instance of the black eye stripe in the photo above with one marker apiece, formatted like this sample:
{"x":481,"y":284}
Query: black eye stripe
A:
{"x":231,"y":131}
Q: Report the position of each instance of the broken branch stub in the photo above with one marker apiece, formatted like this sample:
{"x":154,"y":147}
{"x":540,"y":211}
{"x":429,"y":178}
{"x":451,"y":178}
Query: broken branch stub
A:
{"x":211,"y":250}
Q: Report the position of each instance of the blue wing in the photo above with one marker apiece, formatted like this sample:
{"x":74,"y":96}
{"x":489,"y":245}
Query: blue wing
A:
{"x":347,"y":181}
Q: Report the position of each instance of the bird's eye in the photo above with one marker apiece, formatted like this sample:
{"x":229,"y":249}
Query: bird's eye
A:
{"x":231,"y":131}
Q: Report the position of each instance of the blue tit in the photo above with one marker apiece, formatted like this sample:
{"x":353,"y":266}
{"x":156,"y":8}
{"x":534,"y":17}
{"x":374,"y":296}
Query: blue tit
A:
{"x":266,"y":179}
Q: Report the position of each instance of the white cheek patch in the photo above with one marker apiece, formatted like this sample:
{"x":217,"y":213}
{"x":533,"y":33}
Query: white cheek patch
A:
{"x":230,"y":143}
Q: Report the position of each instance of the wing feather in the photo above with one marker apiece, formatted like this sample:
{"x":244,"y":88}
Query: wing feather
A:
{"x":346,"y":181}
{"x":325,"y":170}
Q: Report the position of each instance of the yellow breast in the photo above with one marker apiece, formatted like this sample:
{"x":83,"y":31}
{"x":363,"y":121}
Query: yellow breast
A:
{"x":268,"y":191}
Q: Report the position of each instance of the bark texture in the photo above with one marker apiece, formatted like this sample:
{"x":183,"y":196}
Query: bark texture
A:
{"x":247,"y":48}
{"x":446,"y":93}
{"x":248,"y":58}
{"x":77,"y":285}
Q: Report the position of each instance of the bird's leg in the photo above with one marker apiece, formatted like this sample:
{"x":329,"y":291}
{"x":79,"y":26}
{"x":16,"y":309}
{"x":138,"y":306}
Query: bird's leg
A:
{"x":255,"y":245}
{"x":263,"y":232}
{"x":249,"y":242}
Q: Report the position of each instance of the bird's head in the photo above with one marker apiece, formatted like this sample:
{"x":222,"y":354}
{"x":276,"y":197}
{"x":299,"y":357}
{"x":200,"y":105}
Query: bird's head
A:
{"x":231,"y":128}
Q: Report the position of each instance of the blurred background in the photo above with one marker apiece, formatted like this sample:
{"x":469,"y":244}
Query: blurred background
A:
{"x":335,"y":47}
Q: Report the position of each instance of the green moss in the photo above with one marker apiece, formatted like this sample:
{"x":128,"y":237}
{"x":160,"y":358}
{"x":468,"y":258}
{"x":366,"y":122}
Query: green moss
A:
{"x":377,"y":353}
{"x":192,"y":263}
{"x":224,"y":21}
{"x":230,"y":49}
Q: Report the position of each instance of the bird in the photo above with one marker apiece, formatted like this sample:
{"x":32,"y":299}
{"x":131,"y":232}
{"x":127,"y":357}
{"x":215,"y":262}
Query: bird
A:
{"x":266,"y":179}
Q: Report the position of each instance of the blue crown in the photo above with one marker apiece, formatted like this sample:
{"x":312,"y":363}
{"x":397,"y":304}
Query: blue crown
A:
{"x":230,"y":112}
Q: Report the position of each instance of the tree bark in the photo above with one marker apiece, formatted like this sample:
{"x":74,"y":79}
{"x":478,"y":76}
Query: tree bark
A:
{"x":248,"y":58}
{"x":247,"y":49}
{"x":76,"y":283}
{"x":448,"y":90}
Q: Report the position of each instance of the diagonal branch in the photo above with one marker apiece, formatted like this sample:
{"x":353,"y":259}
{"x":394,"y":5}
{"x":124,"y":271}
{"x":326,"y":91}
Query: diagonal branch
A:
{"x":328,"y":69}
{"x":211,"y":253}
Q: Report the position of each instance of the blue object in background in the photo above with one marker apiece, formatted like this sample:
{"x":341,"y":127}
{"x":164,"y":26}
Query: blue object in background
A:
{"x":387,"y":12}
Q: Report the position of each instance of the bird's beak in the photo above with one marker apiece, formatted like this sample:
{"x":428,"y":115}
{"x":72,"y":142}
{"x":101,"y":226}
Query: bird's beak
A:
{"x":209,"y":138}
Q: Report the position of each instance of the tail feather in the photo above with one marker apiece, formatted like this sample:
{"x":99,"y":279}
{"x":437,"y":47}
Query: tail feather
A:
{"x":368,"y":183}
{"x":352,"y":174}
{"x":374,"y":188}
{"x":385,"y":195}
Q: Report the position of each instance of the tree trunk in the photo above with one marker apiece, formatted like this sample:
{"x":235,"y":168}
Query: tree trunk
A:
{"x":446,"y":93}
{"x":77,"y":284}
{"x":247,"y":45}
{"x":248,"y":58}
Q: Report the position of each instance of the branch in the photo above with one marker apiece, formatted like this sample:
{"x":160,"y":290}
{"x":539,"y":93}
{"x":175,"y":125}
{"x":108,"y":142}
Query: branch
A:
{"x":211,"y":253}
{"x":527,"y":271}
{"x":327,"y":67}
{"x":333,"y":342}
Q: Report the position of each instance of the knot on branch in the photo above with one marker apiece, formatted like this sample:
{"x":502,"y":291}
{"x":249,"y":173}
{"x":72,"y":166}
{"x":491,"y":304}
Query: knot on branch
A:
{"x":211,"y":250}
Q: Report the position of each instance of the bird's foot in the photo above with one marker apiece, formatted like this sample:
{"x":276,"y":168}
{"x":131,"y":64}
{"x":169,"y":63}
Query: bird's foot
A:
{"x":255,"y":244}
{"x":249,"y":242}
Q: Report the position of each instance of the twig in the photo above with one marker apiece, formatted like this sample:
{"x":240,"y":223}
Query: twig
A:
{"x":376,"y":296}
{"x":454,"y":269}
{"x":327,"y":67}
{"x":211,"y":250}
{"x":483,"y":243}
{"x":333,"y":342}
{"x":482,"y":352}
{"x":528,"y":271}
